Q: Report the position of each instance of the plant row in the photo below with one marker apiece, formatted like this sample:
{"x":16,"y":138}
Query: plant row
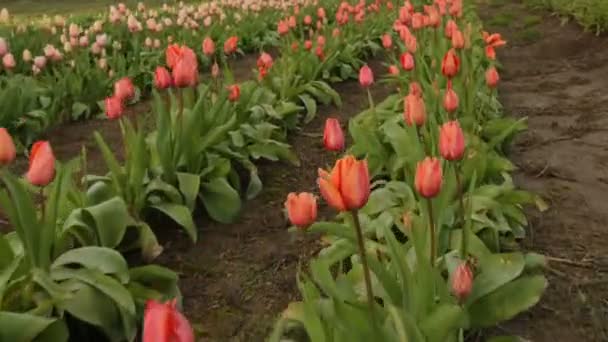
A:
{"x":424,"y":247}
{"x":591,"y":14}
{"x":62,"y":270}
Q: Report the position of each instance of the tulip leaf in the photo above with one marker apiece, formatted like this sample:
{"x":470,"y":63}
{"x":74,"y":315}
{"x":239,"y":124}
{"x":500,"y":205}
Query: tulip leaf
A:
{"x":310,"y":105}
{"x":23,"y":327}
{"x":442,"y":321}
{"x":507,"y":301}
{"x":222,"y":202}
{"x":181,"y":215}
{"x":495,"y":270}
{"x":110,"y":219}
{"x":105,"y":260}
{"x":406,"y":329}
{"x":189,"y":186}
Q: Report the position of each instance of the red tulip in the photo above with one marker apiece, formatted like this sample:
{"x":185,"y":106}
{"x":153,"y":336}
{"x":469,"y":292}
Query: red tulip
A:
{"x":164,"y":323}
{"x":124,"y":89}
{"x":321,"y":41}
{"x":319,"y":52}
{"x":230,"y":45}
{"x":492,"y":77}
{"x":415,"y":110}
{"x":407,"y":61}
{"x":451,"y":141}
{"x":333,"y":137}
{"x":114,"y":107}
{"x":7,"y":147}
{"x":417,"y":21}
{"x":307,"y":20}
{"x":411,"y":43}
{"x":42,"y":164}
{"x":493,"y":40}
{"x":264,"y":61}
{"x":234,"y":92}
{"x":393,"y":70}
{"x":291,"y":22}
{"x":347,"y":186}
{"x":450,"y":100}
{"x":321,"y":12}
{"x":428,"y":177}
{"x":387,"y":41}
{"x":307,"y":45}
{"x":490,"y":52}
{"x":208,"y":47}
{"x":462,"y":281}
{"x":185,"y":70}
{"x":172,"y":54}
{"x":450,"y":27}
{"x":457,"y":39}
{"x":162,"y":78}
{"x":301,"y":209}
{"x":450,"y":64}
{"x":282,"y":27}
{"x":366,"y":76}
{"x":415,"y":89}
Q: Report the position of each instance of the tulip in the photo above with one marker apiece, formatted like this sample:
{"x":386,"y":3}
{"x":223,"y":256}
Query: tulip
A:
{"x":307,"y":20}
{"x":301,"y":209}
{"x":415,"y":89}
{"x":291,"y":22}
{"x":282,"y":27}
{"x":321,"y":12}
{"x":163,"y":323}
{"x":333,"y":137}
{"x":234,"y":92}
{"x":230,"y":45}
{"x":3,"y":47}
{"x":407,"y":61}
{"x":162,"y":78}
{"x":457,"y":39}
{"x":428,"y":177}
{"x":393,"y":70}
{"x":215,"y":70}
{"x":387,"y":41}
{"x":366,"y":76}
{"x":294,"y":46}
{"x":27,"y":56}
{"x":450,"y":100}
{"x":41,"y":170}
{"x":40,"y":62}
{"x":492,"y":77}
{"x":411,"y":43}
{"x":462,"y":281}
{"x":172,"y":54}
{"x":335,"y":32}
{"x":8,"y":61}
{"x":346,"y":187}
{"x":321,"y":41}
{"x":208,"y":47}
{"x":185,"y":72}
{"x":415,"y":110}
{"x":5,"y":17}
{"x":114,"y":107}
{"x":450,"y":27}
{"x":307,"y":45}
{"x":493,"y":40}
{"x":7,"y":147}
{"x":450,"y":64}
{"x":451,"y":141}
{"x":490,"y":52}
{"x":264,"y":61}
{"x":124,"y":89}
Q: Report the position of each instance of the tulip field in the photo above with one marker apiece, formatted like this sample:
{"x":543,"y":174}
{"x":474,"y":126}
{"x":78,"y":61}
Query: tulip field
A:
{"x":301,"y":170}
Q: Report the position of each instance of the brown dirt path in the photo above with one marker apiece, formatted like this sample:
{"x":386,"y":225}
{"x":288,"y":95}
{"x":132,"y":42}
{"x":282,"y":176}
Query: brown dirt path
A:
{"x":557,"y":76}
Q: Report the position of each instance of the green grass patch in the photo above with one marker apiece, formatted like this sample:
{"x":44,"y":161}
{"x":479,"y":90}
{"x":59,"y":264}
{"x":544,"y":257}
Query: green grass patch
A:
{"x":528,"y":35}
{"x":502,"y":19}
{"x":532,"y":20}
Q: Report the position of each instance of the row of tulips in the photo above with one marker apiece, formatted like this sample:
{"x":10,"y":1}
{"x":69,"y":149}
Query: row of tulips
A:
{"x":424,"y":246}
{"x":71,"y":274}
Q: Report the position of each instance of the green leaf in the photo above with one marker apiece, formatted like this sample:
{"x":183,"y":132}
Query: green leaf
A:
{"x":181,"y":215}
{"x":495,"y":271}
{"x":22,"y":327}
{"x":105,"y":260}
{"x":507,"y":301}
{"x":111,"y":219}
{"x":311,"y":107}
{"x":255,"y":185}
{"x":222,"y":202}
{"x":189,"y":185}
{"x":443,"y":323}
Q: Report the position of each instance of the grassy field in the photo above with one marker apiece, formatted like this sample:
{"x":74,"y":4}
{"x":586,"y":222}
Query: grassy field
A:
{"x":592,"y":14}
{"x":52,"y":7}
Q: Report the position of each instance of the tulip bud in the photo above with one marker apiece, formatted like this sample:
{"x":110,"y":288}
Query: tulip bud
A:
{"x":163,"y":322}
{"x":451,"y":141}
{"x":308,"y":45}
{"x":462,"y":281}
{"x":307,"y":20}
{"x":387,"y":41}
{"x":301,"y":209}
{"x":457,"y":39}
{"x":347,"y":186}
{"x":450,"y":64}
{"x":7,"y":147}
{"x":428,"y":177}
{"x":230,"y":45}
{"x":333,"y":137}
{"x":114,"y":108}
{"x":415,"y":110}
{"x":407,"y":61}
{"x":162,"y":78}
{"x":234,"y":92}
{"x":124,"y":89}
{"x":282,"y":27}
{"x":492,"y":77}
{"x":366,"y":76}
{"x":450,"y":100}
{"x":208,"y":47}
{"x":41,"y":170}
{"x":393,"y":70}
{"x":490,"y":52}
{"x":8,"y":61}
{"x":450,"y":27}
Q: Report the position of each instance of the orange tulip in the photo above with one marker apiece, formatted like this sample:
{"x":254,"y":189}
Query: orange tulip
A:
{"x":366,"y":76}
{"x":114,"y":107}
{"x":492,"y":77}
{"x":301,"y":209}
{"x":450,"y":64}
{"x":230,"y":45}
{"x":347,"y":186}
{"x":163,"y":323}
{"x":208,"y":47}
{"x":415,"y":110}
{"x":234,"y":92}
{"x":462,"y":281}
{"x":450,"y":100}
{"x":41,"y":170}
{"x":7,"y":147}
{"x":451,"y":141}
{"x":407,"y":61}
{"x":428,"y":177}
{"x":333,"y":137}
{"x":493,"y":40}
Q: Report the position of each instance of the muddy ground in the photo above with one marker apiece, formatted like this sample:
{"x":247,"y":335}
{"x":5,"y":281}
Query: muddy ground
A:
{"x":557,"y":76}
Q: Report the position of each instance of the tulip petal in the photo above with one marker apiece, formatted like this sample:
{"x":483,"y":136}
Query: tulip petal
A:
{"x":331,"y":194}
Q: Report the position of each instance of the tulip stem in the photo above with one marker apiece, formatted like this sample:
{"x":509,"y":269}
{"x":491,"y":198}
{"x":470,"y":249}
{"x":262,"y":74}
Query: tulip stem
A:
{"x":372,"y":106}
{"x":433,"y":235}
{"x":464,"y":235}
{"x":368,"y":282}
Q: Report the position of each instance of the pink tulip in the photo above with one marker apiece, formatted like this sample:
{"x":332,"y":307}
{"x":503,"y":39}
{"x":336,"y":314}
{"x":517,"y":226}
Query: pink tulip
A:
{"x":114,"y":107}
{"x":366,"y":76}
{"x":41,"y":170}
{"x":333,"y":137}
{"x":7,"y":147}
{"x":124,"y":89}
{"x":8,"y":61}
{"x":164,"y":323}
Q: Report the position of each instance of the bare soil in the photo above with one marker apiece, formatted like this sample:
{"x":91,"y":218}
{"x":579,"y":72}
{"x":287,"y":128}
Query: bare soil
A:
{"x":557,"y":76}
